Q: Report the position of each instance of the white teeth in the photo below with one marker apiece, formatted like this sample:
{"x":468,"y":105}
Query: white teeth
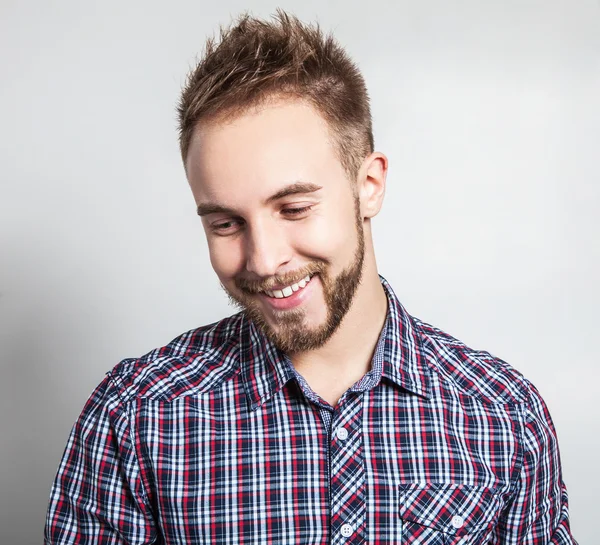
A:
{"x":287,"y":291}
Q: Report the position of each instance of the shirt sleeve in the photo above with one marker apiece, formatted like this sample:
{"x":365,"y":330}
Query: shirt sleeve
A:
{"x":538,"y":513}
{"x":98,"y":496}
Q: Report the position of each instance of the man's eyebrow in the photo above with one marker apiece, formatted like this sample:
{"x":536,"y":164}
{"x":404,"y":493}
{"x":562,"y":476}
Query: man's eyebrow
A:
{"x":294,"y":189}
{"x":204,"y":209}
{"x":208,"y":208}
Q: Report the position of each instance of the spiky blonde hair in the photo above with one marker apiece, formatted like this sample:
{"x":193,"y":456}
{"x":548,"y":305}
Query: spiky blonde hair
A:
{"x":256,"y":60}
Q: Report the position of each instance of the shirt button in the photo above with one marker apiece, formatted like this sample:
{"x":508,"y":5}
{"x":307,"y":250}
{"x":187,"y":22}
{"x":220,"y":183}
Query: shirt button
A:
{"x":342,"y":434}
{"x":347,"y":530}
{"x":457,"y":521}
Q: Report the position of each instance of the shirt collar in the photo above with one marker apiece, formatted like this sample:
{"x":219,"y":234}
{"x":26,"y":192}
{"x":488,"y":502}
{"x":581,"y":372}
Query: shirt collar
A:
{"x":265,"y":370}
{"x":403,"y":356}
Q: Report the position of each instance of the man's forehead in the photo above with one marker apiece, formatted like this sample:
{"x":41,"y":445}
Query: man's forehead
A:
{"x":261,"y":153}
{"x":288,"y":128}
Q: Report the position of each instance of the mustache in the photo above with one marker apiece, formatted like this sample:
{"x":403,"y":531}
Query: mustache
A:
{"x":286,"y":279}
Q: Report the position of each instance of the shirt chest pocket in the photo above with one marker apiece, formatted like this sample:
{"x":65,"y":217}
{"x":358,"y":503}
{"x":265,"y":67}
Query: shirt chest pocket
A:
{"x":448,"y":514}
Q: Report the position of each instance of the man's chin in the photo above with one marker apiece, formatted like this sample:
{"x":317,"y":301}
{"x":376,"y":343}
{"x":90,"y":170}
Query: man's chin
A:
{"x":292,"y":341}
{"x":297,"y":335}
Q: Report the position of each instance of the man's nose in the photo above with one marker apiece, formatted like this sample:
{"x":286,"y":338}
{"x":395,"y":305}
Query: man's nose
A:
{"x":267,"y":249}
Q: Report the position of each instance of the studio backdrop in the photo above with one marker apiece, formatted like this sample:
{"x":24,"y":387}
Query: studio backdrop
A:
{"x":488,"y":111}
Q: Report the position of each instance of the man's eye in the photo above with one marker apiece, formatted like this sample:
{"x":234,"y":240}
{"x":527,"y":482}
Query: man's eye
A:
{"x":296,"y":211}
{"x":225,"y":227}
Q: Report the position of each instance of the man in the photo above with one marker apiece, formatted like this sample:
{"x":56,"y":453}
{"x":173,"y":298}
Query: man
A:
{"x":323,"y":412}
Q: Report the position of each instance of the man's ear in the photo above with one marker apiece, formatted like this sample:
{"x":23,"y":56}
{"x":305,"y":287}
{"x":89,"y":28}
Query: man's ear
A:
{"x":371,"y":184}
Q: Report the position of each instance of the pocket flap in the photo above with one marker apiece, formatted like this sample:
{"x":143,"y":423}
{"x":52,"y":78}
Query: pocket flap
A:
{"x":457,"y":509}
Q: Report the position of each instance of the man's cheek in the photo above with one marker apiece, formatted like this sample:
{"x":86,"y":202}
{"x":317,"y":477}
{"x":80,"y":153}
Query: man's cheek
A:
{"x":225,"y":261}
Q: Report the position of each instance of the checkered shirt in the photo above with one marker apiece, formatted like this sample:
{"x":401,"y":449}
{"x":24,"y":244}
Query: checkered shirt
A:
{"x":215,"y":438}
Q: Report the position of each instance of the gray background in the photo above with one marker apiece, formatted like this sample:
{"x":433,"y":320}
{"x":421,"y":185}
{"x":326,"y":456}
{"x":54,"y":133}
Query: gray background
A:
{"x":489,"y":113}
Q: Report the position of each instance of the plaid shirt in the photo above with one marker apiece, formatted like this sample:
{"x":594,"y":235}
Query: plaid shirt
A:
{"x":215,"y":438}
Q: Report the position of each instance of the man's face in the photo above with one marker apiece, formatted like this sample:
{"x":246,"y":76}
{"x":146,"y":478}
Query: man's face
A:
{"x":282,"y":220}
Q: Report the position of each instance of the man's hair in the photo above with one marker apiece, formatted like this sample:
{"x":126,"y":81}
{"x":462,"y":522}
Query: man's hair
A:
{"x":257,"y":60}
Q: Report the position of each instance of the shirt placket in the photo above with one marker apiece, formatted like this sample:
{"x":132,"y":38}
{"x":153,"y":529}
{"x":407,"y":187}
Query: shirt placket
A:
{"x":347,"y":472}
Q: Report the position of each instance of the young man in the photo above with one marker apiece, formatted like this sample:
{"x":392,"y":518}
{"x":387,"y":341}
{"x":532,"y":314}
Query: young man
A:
{"x":323,"y":412}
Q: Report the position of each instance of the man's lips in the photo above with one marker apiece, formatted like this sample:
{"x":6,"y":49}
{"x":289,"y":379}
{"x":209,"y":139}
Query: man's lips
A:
{"x":291,"y":301}
{"x":253,"y":290}
{"x":287,"y":289}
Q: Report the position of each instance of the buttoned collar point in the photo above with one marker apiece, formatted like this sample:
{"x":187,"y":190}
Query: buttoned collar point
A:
{"x":264,"y":368}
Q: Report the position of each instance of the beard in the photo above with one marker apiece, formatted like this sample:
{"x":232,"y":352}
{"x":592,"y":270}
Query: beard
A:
{"x":289,"y":332}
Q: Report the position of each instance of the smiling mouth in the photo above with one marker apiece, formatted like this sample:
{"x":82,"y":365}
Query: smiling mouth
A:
{"x":288,"y":291}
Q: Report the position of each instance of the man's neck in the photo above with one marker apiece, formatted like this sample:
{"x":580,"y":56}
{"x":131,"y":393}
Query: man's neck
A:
{"x":333,"y":368}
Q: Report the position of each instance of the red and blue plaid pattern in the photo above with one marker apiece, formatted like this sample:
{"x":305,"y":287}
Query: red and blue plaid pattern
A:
{"x":215,"y":438}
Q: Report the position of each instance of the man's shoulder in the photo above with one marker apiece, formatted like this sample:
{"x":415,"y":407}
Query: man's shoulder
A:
{"x":195,"y":361}
{"x":474,"y":372}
